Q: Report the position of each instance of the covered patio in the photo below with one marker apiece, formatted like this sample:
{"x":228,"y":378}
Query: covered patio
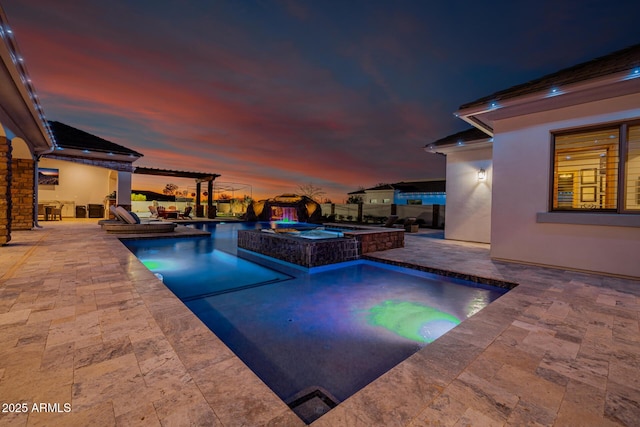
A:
{"x":200,"y":177}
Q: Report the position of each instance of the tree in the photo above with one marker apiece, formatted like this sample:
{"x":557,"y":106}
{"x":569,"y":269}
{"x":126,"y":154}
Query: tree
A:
{"x":169,"y":189}
{"x":311,"y":191}
{"x":247,"y":200}
{"x":354,"y":199}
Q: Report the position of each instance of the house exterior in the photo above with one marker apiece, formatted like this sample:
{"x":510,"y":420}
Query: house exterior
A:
{"x":428,"y":192}
{"x":561,"y":156}
{"x":45,"y":160}
{"x":469,"y":153}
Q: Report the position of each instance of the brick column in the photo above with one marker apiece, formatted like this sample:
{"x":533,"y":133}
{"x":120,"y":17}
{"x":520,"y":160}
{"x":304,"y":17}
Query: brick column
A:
{"x":22,"y":194}
{"x":5,"y":190}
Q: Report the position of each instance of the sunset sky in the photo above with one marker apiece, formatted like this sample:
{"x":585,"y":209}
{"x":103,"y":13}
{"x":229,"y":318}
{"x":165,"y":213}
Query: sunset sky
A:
{"x":277,"y":94}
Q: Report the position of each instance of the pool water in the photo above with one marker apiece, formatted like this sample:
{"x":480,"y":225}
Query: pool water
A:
{"x":196,"y":267}
{"x":334,"y":330}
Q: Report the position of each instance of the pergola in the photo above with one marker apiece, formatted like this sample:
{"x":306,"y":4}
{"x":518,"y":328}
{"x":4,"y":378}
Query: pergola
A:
{"x":200,"y":177}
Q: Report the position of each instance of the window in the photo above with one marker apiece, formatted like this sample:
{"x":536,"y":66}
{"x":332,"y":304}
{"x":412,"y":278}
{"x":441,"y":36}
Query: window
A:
{"x":632,"y":172}
{"x":590,"y":165}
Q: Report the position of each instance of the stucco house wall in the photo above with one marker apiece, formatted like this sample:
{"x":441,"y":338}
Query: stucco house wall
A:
{"x":379,"y":196}
{"x":521,"y":188}
{"x":468,"y":215}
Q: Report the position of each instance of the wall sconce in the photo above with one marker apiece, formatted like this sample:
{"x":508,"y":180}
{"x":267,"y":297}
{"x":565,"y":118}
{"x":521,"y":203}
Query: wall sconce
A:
{"x":482,"y":175}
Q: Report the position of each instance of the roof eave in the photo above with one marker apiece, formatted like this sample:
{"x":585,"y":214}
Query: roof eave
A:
{"x":18,"y":112}
{"x":453,"y":148}
{"x":94,"y":155}
{"x":482,"y":116}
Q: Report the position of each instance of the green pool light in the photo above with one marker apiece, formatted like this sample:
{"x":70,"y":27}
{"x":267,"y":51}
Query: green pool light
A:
{"x":412,"y":320}
{"x":152,"y":264}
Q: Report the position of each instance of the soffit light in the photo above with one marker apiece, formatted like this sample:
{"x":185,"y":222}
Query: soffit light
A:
{"x":7,"y":34}
{"x":635,"y":73}
{"x":554,"y":91}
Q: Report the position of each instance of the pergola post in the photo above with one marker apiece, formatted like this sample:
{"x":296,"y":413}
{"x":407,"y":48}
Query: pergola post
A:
{"x":211,"y":212}
{"x":199,"y":210}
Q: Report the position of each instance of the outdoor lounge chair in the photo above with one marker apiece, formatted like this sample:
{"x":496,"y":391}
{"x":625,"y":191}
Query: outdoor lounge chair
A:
{"x":390,"y":221}
{"x":128,"y":222}
{"x":186,"y":213}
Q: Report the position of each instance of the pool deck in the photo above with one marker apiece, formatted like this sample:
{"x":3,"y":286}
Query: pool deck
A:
{"x":83,"y":322}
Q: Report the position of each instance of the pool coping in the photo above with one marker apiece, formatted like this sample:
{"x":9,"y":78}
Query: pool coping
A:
{"x":446,"y":273}
{"x":527,"y":358}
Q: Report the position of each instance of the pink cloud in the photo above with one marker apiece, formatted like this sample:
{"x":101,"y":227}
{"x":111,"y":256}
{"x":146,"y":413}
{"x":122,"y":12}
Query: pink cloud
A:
{"x":275,"y":120}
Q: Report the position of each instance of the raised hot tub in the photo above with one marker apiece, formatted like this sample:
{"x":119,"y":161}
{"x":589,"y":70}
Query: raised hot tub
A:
{"x":320,"y":246}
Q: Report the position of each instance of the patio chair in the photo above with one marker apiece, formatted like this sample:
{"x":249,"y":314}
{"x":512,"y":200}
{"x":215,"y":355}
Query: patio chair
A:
{"x":154,"y":211}
{"x":410,"y":225}
{"x":53,"y":212}
{"x":390,"y":221}
{"x":186,"y":213}
{"x":56,"y":211}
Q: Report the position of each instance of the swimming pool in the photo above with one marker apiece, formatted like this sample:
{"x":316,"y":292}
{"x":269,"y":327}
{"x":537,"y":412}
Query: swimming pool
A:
{"x":327,"y":333}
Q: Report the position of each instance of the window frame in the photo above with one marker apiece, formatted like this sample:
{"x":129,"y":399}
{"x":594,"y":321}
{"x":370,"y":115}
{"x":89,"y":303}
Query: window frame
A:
{"x":621,"y":193}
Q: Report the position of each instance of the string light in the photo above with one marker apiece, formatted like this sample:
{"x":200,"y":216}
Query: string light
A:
{"x":7,"y":34}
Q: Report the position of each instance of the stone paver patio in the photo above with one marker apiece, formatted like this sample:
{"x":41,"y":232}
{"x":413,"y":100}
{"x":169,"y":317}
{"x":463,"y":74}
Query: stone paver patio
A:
{"x":84,"y":323}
